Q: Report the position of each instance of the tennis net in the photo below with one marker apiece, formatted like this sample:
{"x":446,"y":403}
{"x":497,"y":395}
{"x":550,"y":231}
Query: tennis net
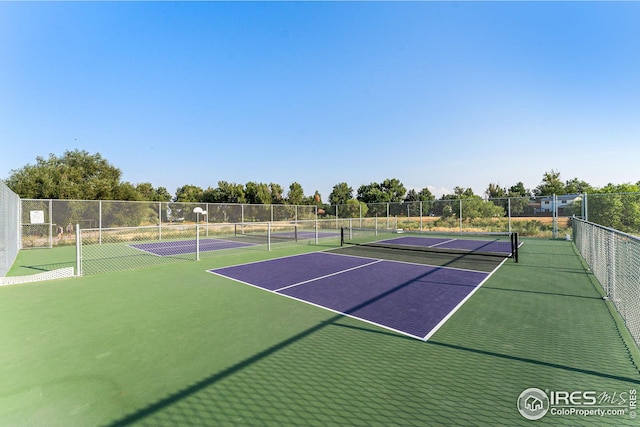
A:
{"x":504,"y":245}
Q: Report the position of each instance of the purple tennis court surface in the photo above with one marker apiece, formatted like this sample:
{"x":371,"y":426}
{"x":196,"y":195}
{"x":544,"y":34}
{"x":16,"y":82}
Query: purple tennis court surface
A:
{"x":182,"y":247}
{"x":497,"y":246}
{"x":413,"y":299}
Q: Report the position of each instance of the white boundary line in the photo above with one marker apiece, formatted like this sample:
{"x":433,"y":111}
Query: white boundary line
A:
{"x":442,"y":243}
{"x":425,"y":338}
{"x":460,"y":304}
{"x":351,"y":316}
{"x":328,"y":275}
{"x":183,"y":244}
{"x":275,"y":292}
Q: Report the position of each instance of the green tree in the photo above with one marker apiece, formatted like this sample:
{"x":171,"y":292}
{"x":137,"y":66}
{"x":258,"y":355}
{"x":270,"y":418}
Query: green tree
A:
{"x":459,"y":193}
{"x":295,"y":196}
{"x":389,"y":190}
{"x":395,"y":189}
{"x":375,"y":198}
{"x":188,"y":193}
{"x":340,"y":193}
{"x":74,"y":175}
{"x":576,"y":186}
{"x":225,"y":192}
{"x":425,"y":195}
{"x":353,"y":209}
{"x":126,"y":191}
{"x":147,"y":192}
{"x":497,"y":195}
{"x":379,"y":196}
{"x":414,"y":198}
{"x":616,"y":206}
{"x":518,"y":190}
{"x":494,"y":191}
{"x":518,"y":199}
{"x":475,"y":207}
{"x":257,"y":193}
{"x":277,"y":194}
{"x":551,"y":184}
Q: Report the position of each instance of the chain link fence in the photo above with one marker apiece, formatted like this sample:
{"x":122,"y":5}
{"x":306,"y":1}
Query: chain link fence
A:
{"x":52,"y":223}
{"x":547,"y":217}
{"x":9,"y":228}
{"x":614,"y":259}
{"x":529,"y":216}
{"x":102,"y":250}
{"x":57,"y":218}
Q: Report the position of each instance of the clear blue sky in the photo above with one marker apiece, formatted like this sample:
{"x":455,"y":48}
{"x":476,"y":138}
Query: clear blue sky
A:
{"x":436,"y":94}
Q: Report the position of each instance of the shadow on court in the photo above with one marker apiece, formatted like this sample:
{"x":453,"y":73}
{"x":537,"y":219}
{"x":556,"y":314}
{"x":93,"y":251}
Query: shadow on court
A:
{"x":264,"y":388}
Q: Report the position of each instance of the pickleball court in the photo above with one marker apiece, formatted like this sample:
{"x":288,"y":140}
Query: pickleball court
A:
{"x":406,"y":294}
{"x":188,"y":246}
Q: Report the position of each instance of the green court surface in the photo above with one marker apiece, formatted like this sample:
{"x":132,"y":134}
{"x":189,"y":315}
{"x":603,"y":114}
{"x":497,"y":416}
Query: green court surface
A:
{"x":175,"y":345}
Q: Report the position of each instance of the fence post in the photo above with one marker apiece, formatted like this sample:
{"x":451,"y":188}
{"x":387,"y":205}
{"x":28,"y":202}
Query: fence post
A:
{"x":585,"y":211}
{"x":78,"y":251}
{"x":269,"y":236}
{"x":509,"y":213}
{"x":100,"y":222}
{"x":159,"y":220}
{"x":554,"y":214}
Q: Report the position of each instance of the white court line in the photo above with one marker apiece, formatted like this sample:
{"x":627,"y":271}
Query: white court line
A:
{"x":328,"y":275}
{"x":425,"y":338}
{"x":442,"y":243}
{"x":460,"y":304}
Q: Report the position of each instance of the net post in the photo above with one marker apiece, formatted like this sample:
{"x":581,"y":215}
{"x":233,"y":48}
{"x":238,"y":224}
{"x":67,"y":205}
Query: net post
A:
{"x":341,"y":236}
{"x":295,"y":232}
{"x":514,"y":246}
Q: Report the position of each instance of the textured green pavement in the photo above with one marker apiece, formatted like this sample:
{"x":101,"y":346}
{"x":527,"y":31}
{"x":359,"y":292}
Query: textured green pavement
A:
{"x":174,"y":345}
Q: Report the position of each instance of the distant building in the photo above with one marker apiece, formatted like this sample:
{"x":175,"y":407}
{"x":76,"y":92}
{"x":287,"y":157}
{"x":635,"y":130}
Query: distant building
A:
{"x":564,"y":202}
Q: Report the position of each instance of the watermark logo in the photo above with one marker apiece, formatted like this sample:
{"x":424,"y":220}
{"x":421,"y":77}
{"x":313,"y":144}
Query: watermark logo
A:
{"x":533,"y":403}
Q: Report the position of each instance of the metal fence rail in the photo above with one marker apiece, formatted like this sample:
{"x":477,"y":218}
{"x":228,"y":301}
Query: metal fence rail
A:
{"x":614,"y":259}
{"x":9,"y":228}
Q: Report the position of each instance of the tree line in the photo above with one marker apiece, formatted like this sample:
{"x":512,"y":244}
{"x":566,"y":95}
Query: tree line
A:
{"x":80,"y":175}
